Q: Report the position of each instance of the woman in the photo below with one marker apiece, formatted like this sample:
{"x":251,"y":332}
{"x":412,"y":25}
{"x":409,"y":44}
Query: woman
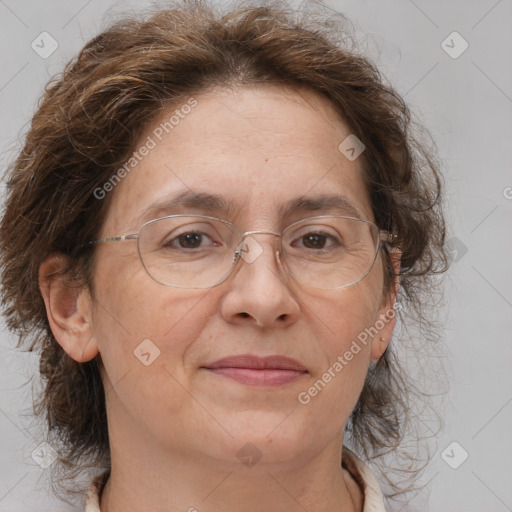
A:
{"x":216,"y":218}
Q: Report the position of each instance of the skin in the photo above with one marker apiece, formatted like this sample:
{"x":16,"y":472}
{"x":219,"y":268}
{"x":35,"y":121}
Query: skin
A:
{"x":175,"y":429}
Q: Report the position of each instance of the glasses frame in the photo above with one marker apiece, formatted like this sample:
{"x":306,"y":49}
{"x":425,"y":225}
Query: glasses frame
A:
{"x":385,"y":238}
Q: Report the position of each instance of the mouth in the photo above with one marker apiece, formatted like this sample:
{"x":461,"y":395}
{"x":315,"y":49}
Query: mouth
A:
{"x":252,"y":370}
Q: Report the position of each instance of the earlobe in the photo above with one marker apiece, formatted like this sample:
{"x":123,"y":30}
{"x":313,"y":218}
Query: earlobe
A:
{"x":379,"y":346}
{"x":68,"y":309}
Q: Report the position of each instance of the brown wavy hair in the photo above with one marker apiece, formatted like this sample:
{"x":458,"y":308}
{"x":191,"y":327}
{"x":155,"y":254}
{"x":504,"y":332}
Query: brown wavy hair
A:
{"x":86,"y":126}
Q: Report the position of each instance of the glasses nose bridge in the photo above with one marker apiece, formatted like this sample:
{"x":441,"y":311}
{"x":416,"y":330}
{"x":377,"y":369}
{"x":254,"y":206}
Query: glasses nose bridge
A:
{"x":247,"y":234}
{"x":261,"y":232}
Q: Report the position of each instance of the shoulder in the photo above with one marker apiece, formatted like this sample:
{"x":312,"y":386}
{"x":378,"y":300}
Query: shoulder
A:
{"x":92,"y":502}
{"x":373,"y":498}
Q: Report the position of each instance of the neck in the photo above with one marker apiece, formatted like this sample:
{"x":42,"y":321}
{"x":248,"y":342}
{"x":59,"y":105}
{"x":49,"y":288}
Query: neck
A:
{"x":167,"y":482}
{"x":179,"y":472}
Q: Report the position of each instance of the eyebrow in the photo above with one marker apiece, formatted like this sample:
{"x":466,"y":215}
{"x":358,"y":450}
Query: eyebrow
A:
{"x":217,"y":205}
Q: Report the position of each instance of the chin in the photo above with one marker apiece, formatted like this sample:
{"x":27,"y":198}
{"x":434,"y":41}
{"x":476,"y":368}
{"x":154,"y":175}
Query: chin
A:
{"x":275,"y":437}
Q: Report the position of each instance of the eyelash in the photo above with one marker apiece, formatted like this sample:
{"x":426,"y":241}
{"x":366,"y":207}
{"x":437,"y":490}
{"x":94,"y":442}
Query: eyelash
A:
{"x":203,"y":234}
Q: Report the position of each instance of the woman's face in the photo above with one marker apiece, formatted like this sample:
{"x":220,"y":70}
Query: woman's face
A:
{"x":259,"y":148}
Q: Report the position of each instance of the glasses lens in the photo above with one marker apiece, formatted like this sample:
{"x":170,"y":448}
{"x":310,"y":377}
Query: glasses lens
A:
{"x":330,"y":252}
{"x":188,"y":251}
{"x":199,"y":251}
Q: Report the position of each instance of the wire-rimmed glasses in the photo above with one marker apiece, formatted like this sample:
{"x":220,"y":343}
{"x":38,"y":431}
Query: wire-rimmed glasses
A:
{"x":198,"y":251}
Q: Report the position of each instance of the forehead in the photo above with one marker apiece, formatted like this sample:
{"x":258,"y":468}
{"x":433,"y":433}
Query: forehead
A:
{"x":264,"y":152}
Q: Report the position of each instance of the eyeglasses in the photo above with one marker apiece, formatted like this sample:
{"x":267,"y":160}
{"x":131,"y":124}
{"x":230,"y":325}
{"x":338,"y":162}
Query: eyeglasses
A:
{"x":196,"y":251}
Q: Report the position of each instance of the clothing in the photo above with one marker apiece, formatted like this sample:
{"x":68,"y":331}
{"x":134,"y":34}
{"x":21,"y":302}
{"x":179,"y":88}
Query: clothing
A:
{"x":373,"y":499}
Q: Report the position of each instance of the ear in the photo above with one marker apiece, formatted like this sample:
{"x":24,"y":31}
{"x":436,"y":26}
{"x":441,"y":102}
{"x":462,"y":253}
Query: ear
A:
{"x":68,"y":309}
{"x":386,"y":321}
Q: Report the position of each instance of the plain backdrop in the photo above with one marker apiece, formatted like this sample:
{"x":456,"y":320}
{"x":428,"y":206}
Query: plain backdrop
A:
{"x":464,"y":97}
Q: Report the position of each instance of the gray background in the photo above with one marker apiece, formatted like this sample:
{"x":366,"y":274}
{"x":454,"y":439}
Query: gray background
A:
{"x":466,"y":103}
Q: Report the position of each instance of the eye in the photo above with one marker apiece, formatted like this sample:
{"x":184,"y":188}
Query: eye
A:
{"x":189,"y":240}
{"x":318,"y":240}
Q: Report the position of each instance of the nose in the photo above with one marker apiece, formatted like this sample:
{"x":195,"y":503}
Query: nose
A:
{"x":259,"y":290}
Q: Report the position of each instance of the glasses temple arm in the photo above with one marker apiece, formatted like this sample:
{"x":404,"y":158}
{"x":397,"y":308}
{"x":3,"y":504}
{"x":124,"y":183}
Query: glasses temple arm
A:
{"x":132,"y":236}
{"x":387,"y":237}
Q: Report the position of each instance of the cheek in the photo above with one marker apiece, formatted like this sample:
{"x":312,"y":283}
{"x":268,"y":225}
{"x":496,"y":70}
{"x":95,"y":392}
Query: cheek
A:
{"x":348,"y":347}
{"x":148,"y":353}
{"x":345,"y":314}
{"x":345,"y":318}
{"x":131,"y":302}
{"x":145,"y":330}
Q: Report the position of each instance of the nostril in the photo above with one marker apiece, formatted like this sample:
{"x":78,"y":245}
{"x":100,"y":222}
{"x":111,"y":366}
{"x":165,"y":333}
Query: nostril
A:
{"x":244,"y":314}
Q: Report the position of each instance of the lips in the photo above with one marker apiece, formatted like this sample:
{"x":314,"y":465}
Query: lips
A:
{"x":257,"y":363}
{"x":271,"y":371}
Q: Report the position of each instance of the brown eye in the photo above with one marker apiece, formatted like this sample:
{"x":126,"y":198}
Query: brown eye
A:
{"x":317,"y":241}
{"x":190,"y":240}
{"x":314,"y":240}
